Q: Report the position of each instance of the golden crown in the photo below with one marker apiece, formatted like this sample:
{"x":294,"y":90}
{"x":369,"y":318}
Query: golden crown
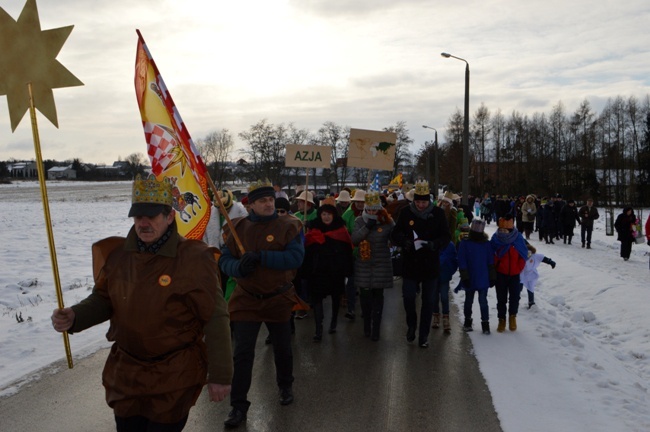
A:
{"x":422,"y":187}
{"x":372,"y":199}
{"x":259,"y":184}
{"x":151,"y":191}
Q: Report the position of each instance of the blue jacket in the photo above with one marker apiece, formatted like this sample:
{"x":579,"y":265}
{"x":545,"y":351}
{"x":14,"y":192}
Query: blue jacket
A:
{"x":476,"y":260}
{"x":448,"y":263}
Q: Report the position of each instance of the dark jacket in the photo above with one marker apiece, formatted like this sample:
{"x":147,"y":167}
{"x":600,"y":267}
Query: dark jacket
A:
{"x":569,"y":216}
{"x":588,"y":215}
{"x":623,"y":225}
{"x":328,"y":257}
{"x":548,"y":221}
{"x":431,"y":226}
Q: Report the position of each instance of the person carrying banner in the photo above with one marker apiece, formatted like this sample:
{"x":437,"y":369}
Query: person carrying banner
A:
{"x":264,"y":293}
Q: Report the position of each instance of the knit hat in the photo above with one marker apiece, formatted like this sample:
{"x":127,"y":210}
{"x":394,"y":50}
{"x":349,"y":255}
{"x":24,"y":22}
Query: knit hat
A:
{"x":150,"y":197}
{"x":282,"y":203}
{"x":344,"y":196}
{"x":260,"y":189}
{"x":478,"y":225}
{"x":506,"y":222}
{"x":422,"y":191}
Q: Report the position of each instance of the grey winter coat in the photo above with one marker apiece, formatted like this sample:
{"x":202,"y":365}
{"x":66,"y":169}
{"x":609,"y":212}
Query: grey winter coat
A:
{"x":377,"y":272}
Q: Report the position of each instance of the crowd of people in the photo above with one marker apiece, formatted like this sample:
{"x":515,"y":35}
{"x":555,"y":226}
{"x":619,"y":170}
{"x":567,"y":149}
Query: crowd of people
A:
{"x":176,"y":306}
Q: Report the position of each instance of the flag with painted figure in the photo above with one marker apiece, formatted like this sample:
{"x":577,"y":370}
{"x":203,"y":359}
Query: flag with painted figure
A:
{"x":170,"y":147}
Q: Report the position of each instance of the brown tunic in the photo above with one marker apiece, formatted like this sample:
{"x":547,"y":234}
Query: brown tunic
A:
{"x":271,"y":235}
{"x":160,"y":307}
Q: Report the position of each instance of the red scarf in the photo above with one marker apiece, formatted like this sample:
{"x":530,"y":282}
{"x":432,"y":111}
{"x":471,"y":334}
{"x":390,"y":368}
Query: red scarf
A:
{"x":315,"y":235}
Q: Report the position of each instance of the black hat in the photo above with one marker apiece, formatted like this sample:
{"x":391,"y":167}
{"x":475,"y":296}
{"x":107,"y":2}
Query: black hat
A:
{"x":260,"y":189}
{"x":282,"y":203}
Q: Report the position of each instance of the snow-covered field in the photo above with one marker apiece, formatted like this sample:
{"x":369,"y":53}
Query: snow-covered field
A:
{"x":579,"y":361}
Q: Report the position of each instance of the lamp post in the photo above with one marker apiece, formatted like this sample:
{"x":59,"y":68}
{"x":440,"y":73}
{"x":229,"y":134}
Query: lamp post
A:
{"x":436,"y":181}
{"x":465,"y":131}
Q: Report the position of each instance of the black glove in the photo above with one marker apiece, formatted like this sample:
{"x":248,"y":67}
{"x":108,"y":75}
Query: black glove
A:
{"x":371,"y":223}
{"x":409,"y":246}
{"x":492,"y":282}
{"x":552,"y":263}
{"x":248,"y":263}
{"x":431,"y":246}
{"x":467,"y":283}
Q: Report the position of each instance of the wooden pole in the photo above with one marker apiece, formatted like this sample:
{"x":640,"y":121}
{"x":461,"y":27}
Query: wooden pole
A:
{"x":48,"y":219}
{"x":304,"y":211}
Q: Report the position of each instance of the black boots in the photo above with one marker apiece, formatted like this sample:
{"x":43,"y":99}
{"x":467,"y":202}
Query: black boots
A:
{"x":485,"y":326}
{"x":467,"y":325}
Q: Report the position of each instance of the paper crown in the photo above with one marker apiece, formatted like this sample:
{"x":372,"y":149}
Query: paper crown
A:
{"x":372,"y":200}
{"x":422,"y":188}
{"x":259,"y":184}
{"x":151,"y":191}
{"x":260,"y":189}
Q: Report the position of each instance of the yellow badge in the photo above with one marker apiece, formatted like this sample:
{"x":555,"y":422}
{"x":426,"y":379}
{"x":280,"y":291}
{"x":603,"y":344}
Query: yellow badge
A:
{"x":411,"y":223}
{"x":164,"y":280}
{"x":380,"y":229}
{"x":270,"y":238}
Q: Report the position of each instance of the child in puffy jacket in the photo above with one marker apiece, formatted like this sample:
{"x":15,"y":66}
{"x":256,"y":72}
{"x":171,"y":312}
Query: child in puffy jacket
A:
{"x":448,"y":266}
{"x":510,"y":255}
{"x":529,"y":276}
{"x":477,"y":274}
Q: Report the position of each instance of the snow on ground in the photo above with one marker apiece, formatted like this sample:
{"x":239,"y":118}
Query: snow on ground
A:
{"x":579,"y":360}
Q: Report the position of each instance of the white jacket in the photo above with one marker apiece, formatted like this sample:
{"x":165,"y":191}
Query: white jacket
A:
{"x":212,"y":235}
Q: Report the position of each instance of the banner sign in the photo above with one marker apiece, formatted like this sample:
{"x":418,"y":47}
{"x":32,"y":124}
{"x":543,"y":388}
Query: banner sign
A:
{"x":372,"y":149}
{"x":308,"y":156}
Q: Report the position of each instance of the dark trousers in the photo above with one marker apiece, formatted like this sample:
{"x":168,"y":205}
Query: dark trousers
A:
{"x":143,"y":424}
{"x":626,"y":249}
{"x":508,"y":289}
{"x":245,"y":335}
{"x":409,"y":294}
{"x":585,"y":230}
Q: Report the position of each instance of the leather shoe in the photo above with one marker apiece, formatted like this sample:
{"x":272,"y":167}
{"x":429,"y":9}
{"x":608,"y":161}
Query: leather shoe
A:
{"x":235,"y":418}
{"x":286,"y":396}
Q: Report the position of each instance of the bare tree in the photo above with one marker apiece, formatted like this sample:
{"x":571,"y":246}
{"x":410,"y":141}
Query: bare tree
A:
{"x":403,"y":153}
{"x":135,"y":164}
{"x":215,"y":149}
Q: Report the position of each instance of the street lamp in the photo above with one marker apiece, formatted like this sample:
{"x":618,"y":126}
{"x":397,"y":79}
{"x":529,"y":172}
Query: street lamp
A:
{"x":465,"y":131}
{"x":436,"y":182}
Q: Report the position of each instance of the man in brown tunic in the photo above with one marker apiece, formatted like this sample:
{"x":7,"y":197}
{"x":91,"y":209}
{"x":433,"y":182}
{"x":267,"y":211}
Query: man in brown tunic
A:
{"x":162,"y":295}
{"x":264,"y":293}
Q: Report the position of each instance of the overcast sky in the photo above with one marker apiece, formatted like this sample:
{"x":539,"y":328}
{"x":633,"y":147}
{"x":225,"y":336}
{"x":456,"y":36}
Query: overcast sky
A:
{"x":362,"y":63}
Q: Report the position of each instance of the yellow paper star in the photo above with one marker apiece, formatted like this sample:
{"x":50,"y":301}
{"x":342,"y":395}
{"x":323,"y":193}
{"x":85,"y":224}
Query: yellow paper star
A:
{"x":29,"y":55}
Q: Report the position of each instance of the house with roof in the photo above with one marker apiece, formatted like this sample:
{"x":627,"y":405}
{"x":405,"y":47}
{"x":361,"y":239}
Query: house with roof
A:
{"x":61,"y":172}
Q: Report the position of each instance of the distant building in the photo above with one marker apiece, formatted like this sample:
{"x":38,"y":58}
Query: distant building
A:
{"x":61,"y":172}
{"x":23,"y":169}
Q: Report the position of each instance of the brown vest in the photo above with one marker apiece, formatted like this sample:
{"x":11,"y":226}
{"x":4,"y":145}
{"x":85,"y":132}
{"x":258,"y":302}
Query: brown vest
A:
{"x":271,"y":235}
